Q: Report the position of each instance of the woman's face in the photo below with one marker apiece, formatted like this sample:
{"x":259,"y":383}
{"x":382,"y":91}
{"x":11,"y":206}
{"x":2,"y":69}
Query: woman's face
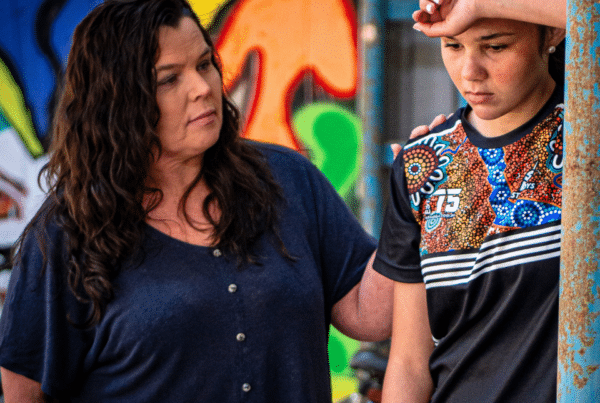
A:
{"x":188,"y":93}
{"x":499,"y":69}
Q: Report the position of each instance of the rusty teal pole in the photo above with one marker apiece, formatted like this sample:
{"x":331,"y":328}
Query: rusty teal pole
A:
{"x":579,"y":302}
{"x":371,"y":34}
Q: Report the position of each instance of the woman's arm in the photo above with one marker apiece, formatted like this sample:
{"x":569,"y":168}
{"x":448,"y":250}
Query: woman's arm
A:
{"x":452,"y":17}
{"x":407,"y":377}
{"x":20,"y":389}
{"x":365,"y":313}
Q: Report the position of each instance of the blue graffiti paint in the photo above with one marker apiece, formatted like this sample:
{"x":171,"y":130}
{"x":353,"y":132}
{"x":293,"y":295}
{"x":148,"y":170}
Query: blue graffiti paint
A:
{"x":18,"y":41}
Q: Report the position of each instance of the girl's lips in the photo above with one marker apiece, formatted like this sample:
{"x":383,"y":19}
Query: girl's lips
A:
{"x":479,"y":97}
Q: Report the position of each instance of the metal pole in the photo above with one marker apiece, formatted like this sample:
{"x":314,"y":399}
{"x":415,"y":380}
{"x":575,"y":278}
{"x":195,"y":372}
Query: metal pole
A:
{"x":370,"y":101}
{"x":579,"y":302}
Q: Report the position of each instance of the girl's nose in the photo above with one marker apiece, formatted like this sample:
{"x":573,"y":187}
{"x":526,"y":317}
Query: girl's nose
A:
{"x":472,"y":69}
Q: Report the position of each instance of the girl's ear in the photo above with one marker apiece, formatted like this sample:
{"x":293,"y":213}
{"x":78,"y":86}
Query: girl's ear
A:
{"x":554,"y":36}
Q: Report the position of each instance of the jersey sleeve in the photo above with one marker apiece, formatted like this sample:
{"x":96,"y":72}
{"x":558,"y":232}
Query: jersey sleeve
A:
{"x":398,"y":251}
{"x":37,"y":340}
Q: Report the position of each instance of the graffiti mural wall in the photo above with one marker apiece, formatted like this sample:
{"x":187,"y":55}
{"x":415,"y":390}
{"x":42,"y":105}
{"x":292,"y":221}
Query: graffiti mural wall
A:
{"x":290,"y":65}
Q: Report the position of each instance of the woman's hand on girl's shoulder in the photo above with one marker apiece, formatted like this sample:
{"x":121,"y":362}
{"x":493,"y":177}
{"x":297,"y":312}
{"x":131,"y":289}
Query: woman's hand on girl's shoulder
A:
{"x":424,"y":129}
{"x":420,"y":131}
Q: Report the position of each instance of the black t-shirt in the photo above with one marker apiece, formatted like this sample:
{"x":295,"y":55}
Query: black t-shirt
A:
{"x":478,"y":221}
{"x":187,"y":325}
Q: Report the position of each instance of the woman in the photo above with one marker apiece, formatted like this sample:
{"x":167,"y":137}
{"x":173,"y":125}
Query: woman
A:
{"x":174,"y":261}
{"x":472,"y":231}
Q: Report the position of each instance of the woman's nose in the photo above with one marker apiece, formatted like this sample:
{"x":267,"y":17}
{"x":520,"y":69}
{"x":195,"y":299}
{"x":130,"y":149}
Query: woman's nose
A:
{"x":199,"y":87}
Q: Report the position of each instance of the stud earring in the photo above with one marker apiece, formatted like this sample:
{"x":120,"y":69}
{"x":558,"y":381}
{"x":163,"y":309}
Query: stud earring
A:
{"x":551,"y":49}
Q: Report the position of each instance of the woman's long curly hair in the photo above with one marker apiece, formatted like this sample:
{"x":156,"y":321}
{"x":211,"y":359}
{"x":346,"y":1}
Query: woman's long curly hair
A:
{"x":104,"y":134}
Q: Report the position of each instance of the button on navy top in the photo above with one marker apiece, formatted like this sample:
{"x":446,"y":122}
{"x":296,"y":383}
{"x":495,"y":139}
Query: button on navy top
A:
{"x":172,"y":332}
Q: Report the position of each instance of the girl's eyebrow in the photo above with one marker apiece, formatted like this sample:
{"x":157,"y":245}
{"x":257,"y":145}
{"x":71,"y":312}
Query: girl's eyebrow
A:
{"x":485,"y":37}
{"x":495,"y":36}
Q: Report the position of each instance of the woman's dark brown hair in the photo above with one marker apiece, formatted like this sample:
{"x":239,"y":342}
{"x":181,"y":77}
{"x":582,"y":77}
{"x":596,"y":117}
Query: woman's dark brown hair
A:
{"x":104,"y":135}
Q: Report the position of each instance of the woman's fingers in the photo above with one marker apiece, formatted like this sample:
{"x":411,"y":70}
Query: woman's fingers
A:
{"x":424,"y":129}
{"x":419,"y":131}
{"x":395,"y":149}
{"x":438,"y":120}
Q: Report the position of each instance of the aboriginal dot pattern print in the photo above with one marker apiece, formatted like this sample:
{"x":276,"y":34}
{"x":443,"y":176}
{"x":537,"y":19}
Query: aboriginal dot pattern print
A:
{"x":461,"y":194}
{"x":423,"y":161}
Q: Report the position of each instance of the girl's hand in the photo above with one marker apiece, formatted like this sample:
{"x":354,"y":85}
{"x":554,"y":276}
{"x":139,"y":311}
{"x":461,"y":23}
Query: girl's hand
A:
{"x":445,"y":17}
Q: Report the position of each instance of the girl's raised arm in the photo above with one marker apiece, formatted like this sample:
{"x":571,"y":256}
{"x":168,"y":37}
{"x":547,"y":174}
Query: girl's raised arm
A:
{"x":452,"y":17}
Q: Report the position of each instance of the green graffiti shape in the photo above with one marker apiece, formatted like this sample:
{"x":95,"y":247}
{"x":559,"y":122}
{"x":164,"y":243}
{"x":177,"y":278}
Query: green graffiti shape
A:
{"x":15,"y":113}
{"x":333,"y":136}
{"x":338,"y":357}
{"x":340,"y":349}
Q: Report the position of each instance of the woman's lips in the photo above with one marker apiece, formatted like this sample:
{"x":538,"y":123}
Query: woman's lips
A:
{"x":204,"y":118}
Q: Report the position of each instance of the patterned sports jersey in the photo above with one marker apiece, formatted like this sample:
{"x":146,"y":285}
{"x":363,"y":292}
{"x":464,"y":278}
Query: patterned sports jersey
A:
{"x":478,"y":221}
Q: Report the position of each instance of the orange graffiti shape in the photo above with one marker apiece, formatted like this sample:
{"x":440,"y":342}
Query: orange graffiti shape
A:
{"x":291,"y":38}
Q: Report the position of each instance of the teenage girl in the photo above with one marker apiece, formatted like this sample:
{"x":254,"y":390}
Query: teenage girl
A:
{"x":472,"y":231}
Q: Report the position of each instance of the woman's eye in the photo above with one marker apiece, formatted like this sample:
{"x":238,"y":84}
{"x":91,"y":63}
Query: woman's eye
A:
{"x":205,"y":65}
{"x":168,"y":80}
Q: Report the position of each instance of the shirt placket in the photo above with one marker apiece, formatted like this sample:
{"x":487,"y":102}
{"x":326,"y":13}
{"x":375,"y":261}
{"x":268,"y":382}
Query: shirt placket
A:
{"x":238,"y":332}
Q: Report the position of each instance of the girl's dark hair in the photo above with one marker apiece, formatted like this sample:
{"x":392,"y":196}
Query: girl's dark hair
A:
{"x":104,"y":133}
{"x":556,"y":60}
{"x":556,"y":64}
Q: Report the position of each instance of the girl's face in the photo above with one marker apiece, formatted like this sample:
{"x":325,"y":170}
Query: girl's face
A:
{"x":188,"y":93}
{"x":501,"y":69}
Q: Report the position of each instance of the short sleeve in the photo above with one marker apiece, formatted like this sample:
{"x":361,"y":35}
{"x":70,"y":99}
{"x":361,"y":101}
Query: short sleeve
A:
{"x":319,"y":217}
{"x":36,"y":338}
{"x":398,"y":251}
{"x":345,"y":247}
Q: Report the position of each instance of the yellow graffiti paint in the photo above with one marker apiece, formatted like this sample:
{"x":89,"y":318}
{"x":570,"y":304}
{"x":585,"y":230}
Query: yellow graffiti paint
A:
{"x":16,"y":113}
{"x":207,"y":9}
